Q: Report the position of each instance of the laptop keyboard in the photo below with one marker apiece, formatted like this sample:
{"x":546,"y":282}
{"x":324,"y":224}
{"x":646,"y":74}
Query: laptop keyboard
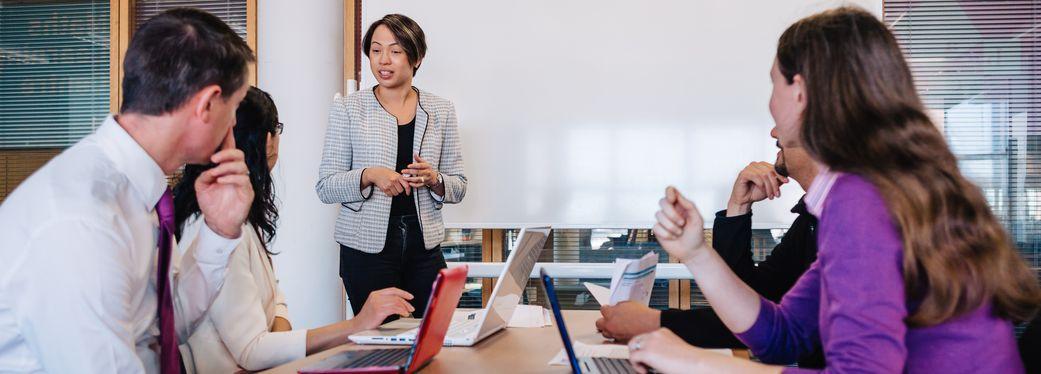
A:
{"x":612,"y":365}
{"x":381,"y":357}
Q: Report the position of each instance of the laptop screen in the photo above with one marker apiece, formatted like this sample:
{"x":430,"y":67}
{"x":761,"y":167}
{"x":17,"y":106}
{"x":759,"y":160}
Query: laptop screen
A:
{"x":448,"y":288}
{"x":551,"y":294}
{"x":514,"y":277}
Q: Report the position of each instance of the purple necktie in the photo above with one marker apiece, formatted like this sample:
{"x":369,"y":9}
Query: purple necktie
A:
{"x":169,"y":356}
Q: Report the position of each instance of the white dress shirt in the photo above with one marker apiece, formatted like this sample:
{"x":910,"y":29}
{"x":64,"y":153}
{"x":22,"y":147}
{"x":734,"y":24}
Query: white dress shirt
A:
{"x":236,"y":332}
{"x":78,"y":275}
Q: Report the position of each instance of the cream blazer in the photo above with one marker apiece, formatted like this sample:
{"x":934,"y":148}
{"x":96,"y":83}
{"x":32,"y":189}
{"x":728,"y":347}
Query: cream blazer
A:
{"x":235,"y":333}
{"x":361,"y":134}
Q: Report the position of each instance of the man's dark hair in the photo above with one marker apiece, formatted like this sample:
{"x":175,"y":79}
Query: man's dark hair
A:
{"x":177,"y":53}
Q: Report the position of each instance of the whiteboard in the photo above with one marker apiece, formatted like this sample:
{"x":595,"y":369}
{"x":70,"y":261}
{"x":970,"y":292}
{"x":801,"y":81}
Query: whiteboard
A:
{"x":578,"y":113}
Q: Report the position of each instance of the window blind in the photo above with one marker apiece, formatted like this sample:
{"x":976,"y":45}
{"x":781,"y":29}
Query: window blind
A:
{"x":977,"y":66}
{"x":232,"y":12}
{"x":54,"y":72}
{"x":592,"y":246}
{"x":565,"y":245}
{"x":18,"y":164}
{"x":464,"y":245}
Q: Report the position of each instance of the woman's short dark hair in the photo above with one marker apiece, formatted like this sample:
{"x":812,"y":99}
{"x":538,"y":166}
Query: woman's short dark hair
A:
{"x":407,"y":33}
{"x":177,"y":53}
{"x":256,"y":118}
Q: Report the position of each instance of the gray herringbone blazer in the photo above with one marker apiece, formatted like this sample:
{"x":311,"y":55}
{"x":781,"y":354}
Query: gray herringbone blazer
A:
{"x":362,"y":134}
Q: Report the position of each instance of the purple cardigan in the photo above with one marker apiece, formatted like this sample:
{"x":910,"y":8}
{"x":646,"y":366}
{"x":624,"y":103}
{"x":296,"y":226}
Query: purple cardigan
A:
{"x":852,"y":297}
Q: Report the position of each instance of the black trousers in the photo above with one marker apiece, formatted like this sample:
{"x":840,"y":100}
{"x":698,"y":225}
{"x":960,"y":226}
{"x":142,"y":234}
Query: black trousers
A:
{"x":404,"y":263}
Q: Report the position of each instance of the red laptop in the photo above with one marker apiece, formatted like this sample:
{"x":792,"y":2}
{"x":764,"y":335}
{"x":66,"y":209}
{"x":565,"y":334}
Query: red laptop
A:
{"x":448,"y":288}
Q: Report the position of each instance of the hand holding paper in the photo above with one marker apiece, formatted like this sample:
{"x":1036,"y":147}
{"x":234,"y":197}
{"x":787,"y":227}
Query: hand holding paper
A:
{"x":632,"y":280}
{"x":600,"y":293}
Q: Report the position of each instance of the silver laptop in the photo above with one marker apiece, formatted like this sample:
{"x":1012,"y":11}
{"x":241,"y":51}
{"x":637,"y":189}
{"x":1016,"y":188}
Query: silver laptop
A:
{"x":470,"y":327}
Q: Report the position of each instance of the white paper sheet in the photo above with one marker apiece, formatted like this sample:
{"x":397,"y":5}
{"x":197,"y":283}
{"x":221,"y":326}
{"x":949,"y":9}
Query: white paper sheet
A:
{"x":529,"y":316}
{"x":608,"y":350}
{"x":592,"y":350}
{"x":600,"y":293}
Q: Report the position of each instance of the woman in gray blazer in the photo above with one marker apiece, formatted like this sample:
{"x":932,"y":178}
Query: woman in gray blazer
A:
{"x":392,"y":159}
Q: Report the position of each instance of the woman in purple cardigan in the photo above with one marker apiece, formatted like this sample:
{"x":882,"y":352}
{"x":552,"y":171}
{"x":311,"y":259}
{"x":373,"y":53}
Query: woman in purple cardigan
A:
{"x":914,"y":273}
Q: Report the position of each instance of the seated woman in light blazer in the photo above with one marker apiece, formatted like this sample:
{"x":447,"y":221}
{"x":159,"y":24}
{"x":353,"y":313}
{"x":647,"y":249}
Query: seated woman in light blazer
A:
{"x":247,"y":326}
{"x":392,"y":160}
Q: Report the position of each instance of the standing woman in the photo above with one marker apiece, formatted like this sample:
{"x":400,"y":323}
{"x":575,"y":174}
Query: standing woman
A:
{"x":392,"y":159}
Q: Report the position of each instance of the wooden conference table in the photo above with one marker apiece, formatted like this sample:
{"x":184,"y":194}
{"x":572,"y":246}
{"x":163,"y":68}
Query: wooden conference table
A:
{"x":513,"y":350}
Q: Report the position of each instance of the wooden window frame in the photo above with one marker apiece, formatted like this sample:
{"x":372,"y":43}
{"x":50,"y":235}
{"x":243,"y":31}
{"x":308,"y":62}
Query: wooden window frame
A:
{"x":351,"y":41}
{"x":121,"y":22}
{"x":37,"y":157}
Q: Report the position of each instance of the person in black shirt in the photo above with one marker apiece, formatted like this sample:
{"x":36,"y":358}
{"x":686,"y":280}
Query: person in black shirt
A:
{"x":732,"y":238}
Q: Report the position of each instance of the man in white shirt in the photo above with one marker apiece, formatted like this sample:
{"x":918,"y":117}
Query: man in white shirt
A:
{"x":80,"y":248}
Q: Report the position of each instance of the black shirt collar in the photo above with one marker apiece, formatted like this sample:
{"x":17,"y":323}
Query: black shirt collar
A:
{"x":800,"y":208}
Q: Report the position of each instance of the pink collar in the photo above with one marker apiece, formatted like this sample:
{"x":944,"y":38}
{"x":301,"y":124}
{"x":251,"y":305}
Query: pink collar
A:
{"x":818,"y":191}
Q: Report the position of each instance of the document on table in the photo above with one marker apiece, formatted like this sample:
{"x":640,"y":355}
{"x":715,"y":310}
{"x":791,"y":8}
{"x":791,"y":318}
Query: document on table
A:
{"x":592,"y":350}
{"x":530,"y":316}
{"x":632,"y":280}
{"x":609,"y":351}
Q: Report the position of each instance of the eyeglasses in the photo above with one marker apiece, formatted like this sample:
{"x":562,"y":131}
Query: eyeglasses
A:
{"x":279,"y":127}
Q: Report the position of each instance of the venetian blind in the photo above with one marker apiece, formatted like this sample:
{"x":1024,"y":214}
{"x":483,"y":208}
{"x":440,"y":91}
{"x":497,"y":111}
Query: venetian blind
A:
{"x":54,"y":71}
{"x":977,"y":66}
{"x":232,"y":12}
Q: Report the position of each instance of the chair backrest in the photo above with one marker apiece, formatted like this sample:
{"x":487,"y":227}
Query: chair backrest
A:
{"x":1030,"y":345}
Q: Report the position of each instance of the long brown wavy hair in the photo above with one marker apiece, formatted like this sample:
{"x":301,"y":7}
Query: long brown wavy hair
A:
{"x":863,"y":116}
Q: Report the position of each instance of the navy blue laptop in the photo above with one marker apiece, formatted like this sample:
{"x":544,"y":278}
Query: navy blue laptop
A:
{"x":588,"y":365}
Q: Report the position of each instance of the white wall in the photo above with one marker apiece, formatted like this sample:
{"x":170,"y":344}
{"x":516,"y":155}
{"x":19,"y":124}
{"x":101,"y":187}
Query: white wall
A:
{"x":301,"y":64}
{"x":578,"y":113}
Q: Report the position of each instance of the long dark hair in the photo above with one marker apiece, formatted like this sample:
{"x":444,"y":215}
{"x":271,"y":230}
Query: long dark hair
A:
{"x":863,"y":116}
{"x":256,"y":118}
